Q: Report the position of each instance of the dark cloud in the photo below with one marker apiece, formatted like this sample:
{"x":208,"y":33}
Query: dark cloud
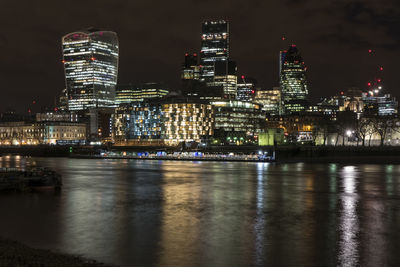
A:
{"x":333,"y":37}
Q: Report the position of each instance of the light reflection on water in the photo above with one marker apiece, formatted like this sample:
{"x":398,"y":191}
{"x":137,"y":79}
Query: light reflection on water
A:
{"x":349,"y":225}
{"x":171,"y":213}
{"x":260,"y":220}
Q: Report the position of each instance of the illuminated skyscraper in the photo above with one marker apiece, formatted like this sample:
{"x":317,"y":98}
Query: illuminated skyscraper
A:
{"x":282,"y":55}
{"x":246,"y":89}
{"x":90,"y":60}
{"x":293,"y":81}
{"x":214,"y":47}
{"x":270,"y":100}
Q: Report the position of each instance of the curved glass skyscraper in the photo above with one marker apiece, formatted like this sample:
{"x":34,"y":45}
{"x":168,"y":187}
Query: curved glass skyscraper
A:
{"x":293,"y":81}
{"x":90,"y":60}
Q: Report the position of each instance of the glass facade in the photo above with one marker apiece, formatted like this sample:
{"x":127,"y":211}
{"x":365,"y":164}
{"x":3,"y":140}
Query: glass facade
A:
{"x":138,"y":121}
{"x":270,"y":100}
{"x":188,"y":122}
{"x":129,"y":93}
{"x":237,"y":122}
{"x":293,"y":81}
{"x":246,"y":89}
{"x":380,"y":105}
{"x":91,"y":68}
{"x":225,"y":78}
{"x":170,"y":123}
{"x":214,"y":47}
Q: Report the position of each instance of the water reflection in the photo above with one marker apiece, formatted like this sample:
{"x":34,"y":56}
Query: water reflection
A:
{"x":181,"y":214}
{"x":260,"y":220}
{"x":373,"y":209}
{"x":146,"y":213}
{"x":349,"y":221}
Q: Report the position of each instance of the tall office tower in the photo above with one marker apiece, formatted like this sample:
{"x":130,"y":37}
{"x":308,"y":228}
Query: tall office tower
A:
{"x":225,"y":79}
{"x":293,"y":82}
{"x":190,"y":68}
{"x":190,"y":75}
{"x":214,"y":47}
{"x":282,"y":55}
{"x":246,"y":89}
{"x":90,"y":60}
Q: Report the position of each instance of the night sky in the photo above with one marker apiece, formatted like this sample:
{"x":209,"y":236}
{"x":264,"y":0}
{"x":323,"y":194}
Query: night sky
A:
{"x":333,"y":37}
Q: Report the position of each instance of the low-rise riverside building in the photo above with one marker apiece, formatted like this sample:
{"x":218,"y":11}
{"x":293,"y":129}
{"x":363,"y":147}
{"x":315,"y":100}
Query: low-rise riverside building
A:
{"x":237,"y":122}
{"x":37,"y":133}
{"x":138,"y":123}
{"x":63,"y":116}
{"x":297,"y":127}
{"x":187,"y":122}
{"x":166,"y":123}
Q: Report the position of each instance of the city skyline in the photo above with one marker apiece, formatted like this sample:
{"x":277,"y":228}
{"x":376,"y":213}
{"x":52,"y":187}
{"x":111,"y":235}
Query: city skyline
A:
{"x":199,"y":133}
{"x":345,"y":62}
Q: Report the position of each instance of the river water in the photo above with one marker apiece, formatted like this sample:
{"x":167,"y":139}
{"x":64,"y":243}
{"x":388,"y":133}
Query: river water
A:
{"x":172,"y":213}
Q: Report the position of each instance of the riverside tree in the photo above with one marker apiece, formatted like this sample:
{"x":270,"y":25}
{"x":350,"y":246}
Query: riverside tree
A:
{"x":384,"y":125}
{"x":346,"y":120}
{"x":363,"y":129}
